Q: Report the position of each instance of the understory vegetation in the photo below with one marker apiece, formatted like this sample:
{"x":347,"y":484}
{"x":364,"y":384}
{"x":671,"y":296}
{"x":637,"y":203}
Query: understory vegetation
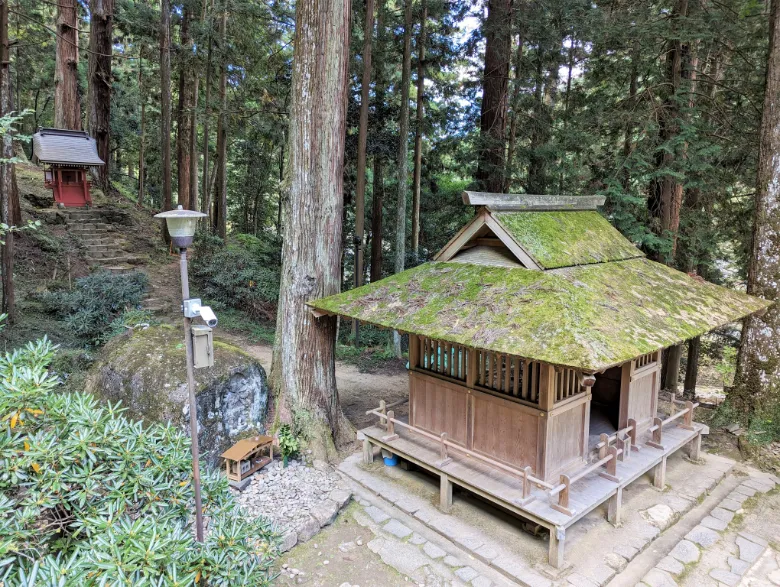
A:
{"x":89,"y":309}
{"x":89,"y":497}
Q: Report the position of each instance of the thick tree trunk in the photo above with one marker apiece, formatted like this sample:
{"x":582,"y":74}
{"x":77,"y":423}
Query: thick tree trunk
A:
{"x":758,"y":366}
{"x":67,"y":104}
{"x":403,"y":151}
{"x":510,"y":155}
{"x":418,"y":134}
{"x":303,"y":372}
{"x":377,"y":203}
{"x":184,"y":114}
{"x":495,"y":98}
{"x":220,"y":202}
{"x":165,"y":103}
{"x":101,"y":25}
{"x":667,"y":193}
{"x":360,"y":188}
{"x":7,"y":176}
{"x":142,"y":138}
{"x":692,"y":368}
{"x":671,"y":366}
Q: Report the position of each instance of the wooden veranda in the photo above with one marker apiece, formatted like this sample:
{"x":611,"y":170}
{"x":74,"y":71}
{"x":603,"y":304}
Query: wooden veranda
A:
{"x":615,"y":463}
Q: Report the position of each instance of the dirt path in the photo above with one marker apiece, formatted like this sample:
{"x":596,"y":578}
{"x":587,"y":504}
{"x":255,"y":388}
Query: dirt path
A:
{"x":358,"y":391}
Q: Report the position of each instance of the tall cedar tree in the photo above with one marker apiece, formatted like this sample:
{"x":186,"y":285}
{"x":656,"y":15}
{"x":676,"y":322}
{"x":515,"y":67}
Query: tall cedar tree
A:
{"x":165,"y":102}
{"x":184,"y":113}
{"x":418,"y":133}
{"x":303,"y":371}
{"x":7,"y":173}
{"x":495,"y":86}
{"x":220,"y":201}
{"x":378,"y":194}
{"x":758,"y":367}
{"x":67,"y":104}
{"x":403,"y":150}
{"x":360,"y":188}
{"x":101,"y":26}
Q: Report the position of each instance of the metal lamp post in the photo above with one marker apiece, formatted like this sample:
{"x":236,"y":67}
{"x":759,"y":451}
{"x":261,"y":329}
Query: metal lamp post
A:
{"x":181,"y":227}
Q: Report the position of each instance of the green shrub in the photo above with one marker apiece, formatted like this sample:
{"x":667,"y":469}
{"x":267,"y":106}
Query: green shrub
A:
{"x":127,"y":320}
{"x":288,"y":442}
{"x":88,"y":497}
{"x":243,"y":274}
{"x":96,"y":300}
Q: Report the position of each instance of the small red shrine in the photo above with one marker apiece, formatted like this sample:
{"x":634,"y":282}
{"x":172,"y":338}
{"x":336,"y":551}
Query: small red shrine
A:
{"x":66,"y":156}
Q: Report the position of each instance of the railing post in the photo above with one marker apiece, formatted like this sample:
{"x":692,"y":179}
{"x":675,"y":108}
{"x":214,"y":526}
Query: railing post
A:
{"x":604,"y":442}
{"x":391,"y":435}
{"x":611,"y":465}
{"x":658,"y":434}
{"x":527,"y":472}
{"x":383,"y":411}
{"x":624,"y":446}
{"x":445,"y":459}
{"x":633,"y":434}
{"x":563,"y":497}
{"x":688,"y":417}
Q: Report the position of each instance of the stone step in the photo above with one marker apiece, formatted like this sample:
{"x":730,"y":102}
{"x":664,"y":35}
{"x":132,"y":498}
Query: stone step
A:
{"x":119,"y":268}
{"x":87,"y":231}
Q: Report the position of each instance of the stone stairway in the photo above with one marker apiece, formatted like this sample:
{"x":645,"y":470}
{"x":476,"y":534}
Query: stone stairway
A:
{"x":104,"y":245}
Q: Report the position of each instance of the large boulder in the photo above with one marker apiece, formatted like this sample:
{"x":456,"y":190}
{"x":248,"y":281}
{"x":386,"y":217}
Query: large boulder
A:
{"x":146,"y":371}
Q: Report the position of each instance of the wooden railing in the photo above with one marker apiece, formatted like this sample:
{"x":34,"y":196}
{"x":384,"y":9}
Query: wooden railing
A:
{"x":525,"y":474}
{"x":657,"y":429}
{"x":609,"y":454}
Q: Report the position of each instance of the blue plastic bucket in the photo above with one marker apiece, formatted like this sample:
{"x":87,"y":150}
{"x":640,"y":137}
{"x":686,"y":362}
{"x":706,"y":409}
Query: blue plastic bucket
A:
{"x":390,"y":461}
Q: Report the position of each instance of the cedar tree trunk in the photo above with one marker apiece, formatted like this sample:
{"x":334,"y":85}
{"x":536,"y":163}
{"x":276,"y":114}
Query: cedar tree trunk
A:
{"x":101,"y":25}
{"x":303,"y":373}
{"x":495,"y":87}
{"x":165,"y":102}
{"x":67,"y":104}
{"x":7,"y":176}
{"x":757,"y":381}
{"x":403,"y":150}
{"x":418,"y":134}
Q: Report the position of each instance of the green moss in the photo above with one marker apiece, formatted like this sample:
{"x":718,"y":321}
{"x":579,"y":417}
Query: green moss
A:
{"x":589,"y":317}
{"x":147,"y":371}
{"x":566,"y":238}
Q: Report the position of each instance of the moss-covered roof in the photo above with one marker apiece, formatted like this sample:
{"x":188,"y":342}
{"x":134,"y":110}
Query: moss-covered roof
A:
{"x":589,"y":317}
{"x":566,"y":238}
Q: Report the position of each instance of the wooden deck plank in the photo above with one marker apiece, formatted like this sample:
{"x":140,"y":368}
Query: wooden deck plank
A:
{"x":506,"y":490}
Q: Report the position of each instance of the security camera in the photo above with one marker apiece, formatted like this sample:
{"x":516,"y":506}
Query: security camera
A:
{"x":208,"y":316}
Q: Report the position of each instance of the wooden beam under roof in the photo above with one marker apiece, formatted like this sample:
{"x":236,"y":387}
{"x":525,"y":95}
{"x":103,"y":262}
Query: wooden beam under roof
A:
{"x":518,"y":202}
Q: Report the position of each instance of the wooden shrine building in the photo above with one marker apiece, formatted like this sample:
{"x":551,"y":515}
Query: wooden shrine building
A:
{"x":66,"y":156}
{"x":535,"y":340}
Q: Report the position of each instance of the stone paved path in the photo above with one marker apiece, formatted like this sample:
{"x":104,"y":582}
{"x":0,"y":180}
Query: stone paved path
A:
{"x":720,"y":550}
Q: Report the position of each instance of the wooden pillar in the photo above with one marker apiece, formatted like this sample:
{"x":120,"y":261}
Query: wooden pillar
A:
{"x":445,"y":493}
{"x":614,"y":507}
{"x":659,"y":474}
{"x":368,"y":452}
{"x":694,"y":448}
{"x":546,"y":387}
{"x":557,"y":544}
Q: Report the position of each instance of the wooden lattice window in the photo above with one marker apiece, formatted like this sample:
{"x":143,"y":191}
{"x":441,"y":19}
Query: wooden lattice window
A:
{"x":567,"y":384}
{"x":508,"y":375}
{"x":645,"y":360}
{"x":444,"y":358}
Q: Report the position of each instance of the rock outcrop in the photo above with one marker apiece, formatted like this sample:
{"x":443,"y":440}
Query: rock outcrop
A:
{"x":146,"y":371}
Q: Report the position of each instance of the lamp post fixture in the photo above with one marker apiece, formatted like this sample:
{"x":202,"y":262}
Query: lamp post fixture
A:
{"x":181,"y":227}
